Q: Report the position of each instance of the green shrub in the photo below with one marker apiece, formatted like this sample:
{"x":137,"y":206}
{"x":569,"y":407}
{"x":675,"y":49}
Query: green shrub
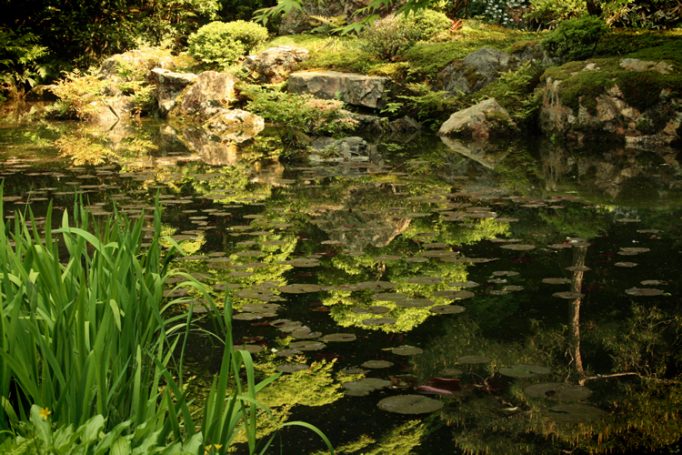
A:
{"x":548,"y":13}
{"x":575,"y":39}
{"x":392,"y":35}
{"x":299,"y":112}
{"x":223,"y":43}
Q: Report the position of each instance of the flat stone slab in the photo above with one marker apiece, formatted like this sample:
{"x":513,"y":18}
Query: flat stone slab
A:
{"x":351,"y":88}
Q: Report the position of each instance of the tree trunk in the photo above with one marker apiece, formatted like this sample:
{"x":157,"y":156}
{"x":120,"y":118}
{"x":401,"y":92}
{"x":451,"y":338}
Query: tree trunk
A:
{"x":593,"y":8}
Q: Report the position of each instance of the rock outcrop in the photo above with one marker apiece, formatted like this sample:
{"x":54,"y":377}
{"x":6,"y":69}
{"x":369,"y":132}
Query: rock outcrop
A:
{"x":626,"y":100}
{"x":483,"y":121}
{"x":169,"y":84}
{"x":210,"y":91}
{"x":351,"y":88}
{"x":475,"y":71}
{"x":273,"y":65}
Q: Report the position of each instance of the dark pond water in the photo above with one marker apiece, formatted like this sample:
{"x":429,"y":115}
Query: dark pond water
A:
{"x":524,"y":298}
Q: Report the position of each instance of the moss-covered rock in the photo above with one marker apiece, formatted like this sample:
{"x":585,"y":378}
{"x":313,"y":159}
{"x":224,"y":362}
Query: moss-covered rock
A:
{"x":482,"y":121}
{"x":632,"y":99}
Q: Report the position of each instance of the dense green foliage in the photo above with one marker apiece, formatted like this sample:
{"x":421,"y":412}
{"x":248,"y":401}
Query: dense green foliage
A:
{"x":575,"y":39}
{"x":82,"y":32}
{"x":390,"y":36}
{"x":548,"y":13}
{"x":223,"y":43}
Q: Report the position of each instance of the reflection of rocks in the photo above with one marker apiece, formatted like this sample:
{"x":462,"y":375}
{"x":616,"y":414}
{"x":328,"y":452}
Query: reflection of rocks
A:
{"x":202,"y":146}
{"x":110,"y":112}
{"x":234,"y":125}
{"x":637,"y":105}
{"x":358,"y":230}
{"x":168,"y":86}
{"x":353,"y":148}
{"x":482,"y":121}
{"x":210,"y":90}
{"x":486,"y":154}
{"x":273,"y":65}
{"x":629,"y":174}
{"x":354,"y":89}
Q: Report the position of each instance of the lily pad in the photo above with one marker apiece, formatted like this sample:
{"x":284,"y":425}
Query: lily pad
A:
{"x":304,"y":262}
{"x":558,"y":391}
{"x":261,"y":308}
{"x":304,"y":333}
{"x":365,"y":386}
{"x":567,"y":295}
{"x":644,"y":292}
{"x":653,"y":283}
{"x":378,"y":309}
{"x":410,"y":404}
{"x":250,"y":348}
{"x":379,"y":321}
{"x":503,"y":273}
{"x":247,"y":316}
{"x":414,"y":303}
{"x":377,"y":364}
{"x":626,"y":264}
{"x":465,"y":284}
{"x":300,"y":288}
{"x":389,"y":297}
{"x":339,"y":338}
{"x":633,"y":250}
{"x":447,"y":309}
{"x":405,"y":350}
{"x":307,"y":345}
{"x":423,"y":280}
{"x":518,"y":247}
{"x":521,"y":371}
{"x":292,"y":367}
{"x":557,"y":281}
{"x":578,"y":268}
{"x":472,"y":360}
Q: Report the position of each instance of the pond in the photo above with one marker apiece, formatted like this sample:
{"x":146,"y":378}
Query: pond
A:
{"x":423,"y":298}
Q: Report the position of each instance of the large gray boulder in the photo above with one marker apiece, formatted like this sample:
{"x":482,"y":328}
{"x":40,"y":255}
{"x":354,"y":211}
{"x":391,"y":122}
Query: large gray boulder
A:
{"x":481,"y":121}
{"x":351,"y":88}
{"x":169,"y":84}
{"x":475,"y":71}
{"x":211,"y":90}
{"x":639,"y":105}
{"x":274,"y":64}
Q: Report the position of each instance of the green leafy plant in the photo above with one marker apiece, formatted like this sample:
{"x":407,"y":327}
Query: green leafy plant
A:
{"x":392,"y":35}
{"x":575,"y":39}
{"x":299,"y":112}
{"x":548,"y":13}
{"x":92,"y":353}
{"x":21,"y":62}
{"x":223,"y":43}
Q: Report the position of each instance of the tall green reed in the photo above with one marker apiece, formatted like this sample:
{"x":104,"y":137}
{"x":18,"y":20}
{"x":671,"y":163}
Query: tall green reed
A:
{"x":84,"y":329}
{"x":87,"y":336}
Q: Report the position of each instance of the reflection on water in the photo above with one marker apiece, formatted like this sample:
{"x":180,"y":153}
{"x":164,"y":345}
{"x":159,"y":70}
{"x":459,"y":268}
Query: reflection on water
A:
{"x":530,"y":293}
